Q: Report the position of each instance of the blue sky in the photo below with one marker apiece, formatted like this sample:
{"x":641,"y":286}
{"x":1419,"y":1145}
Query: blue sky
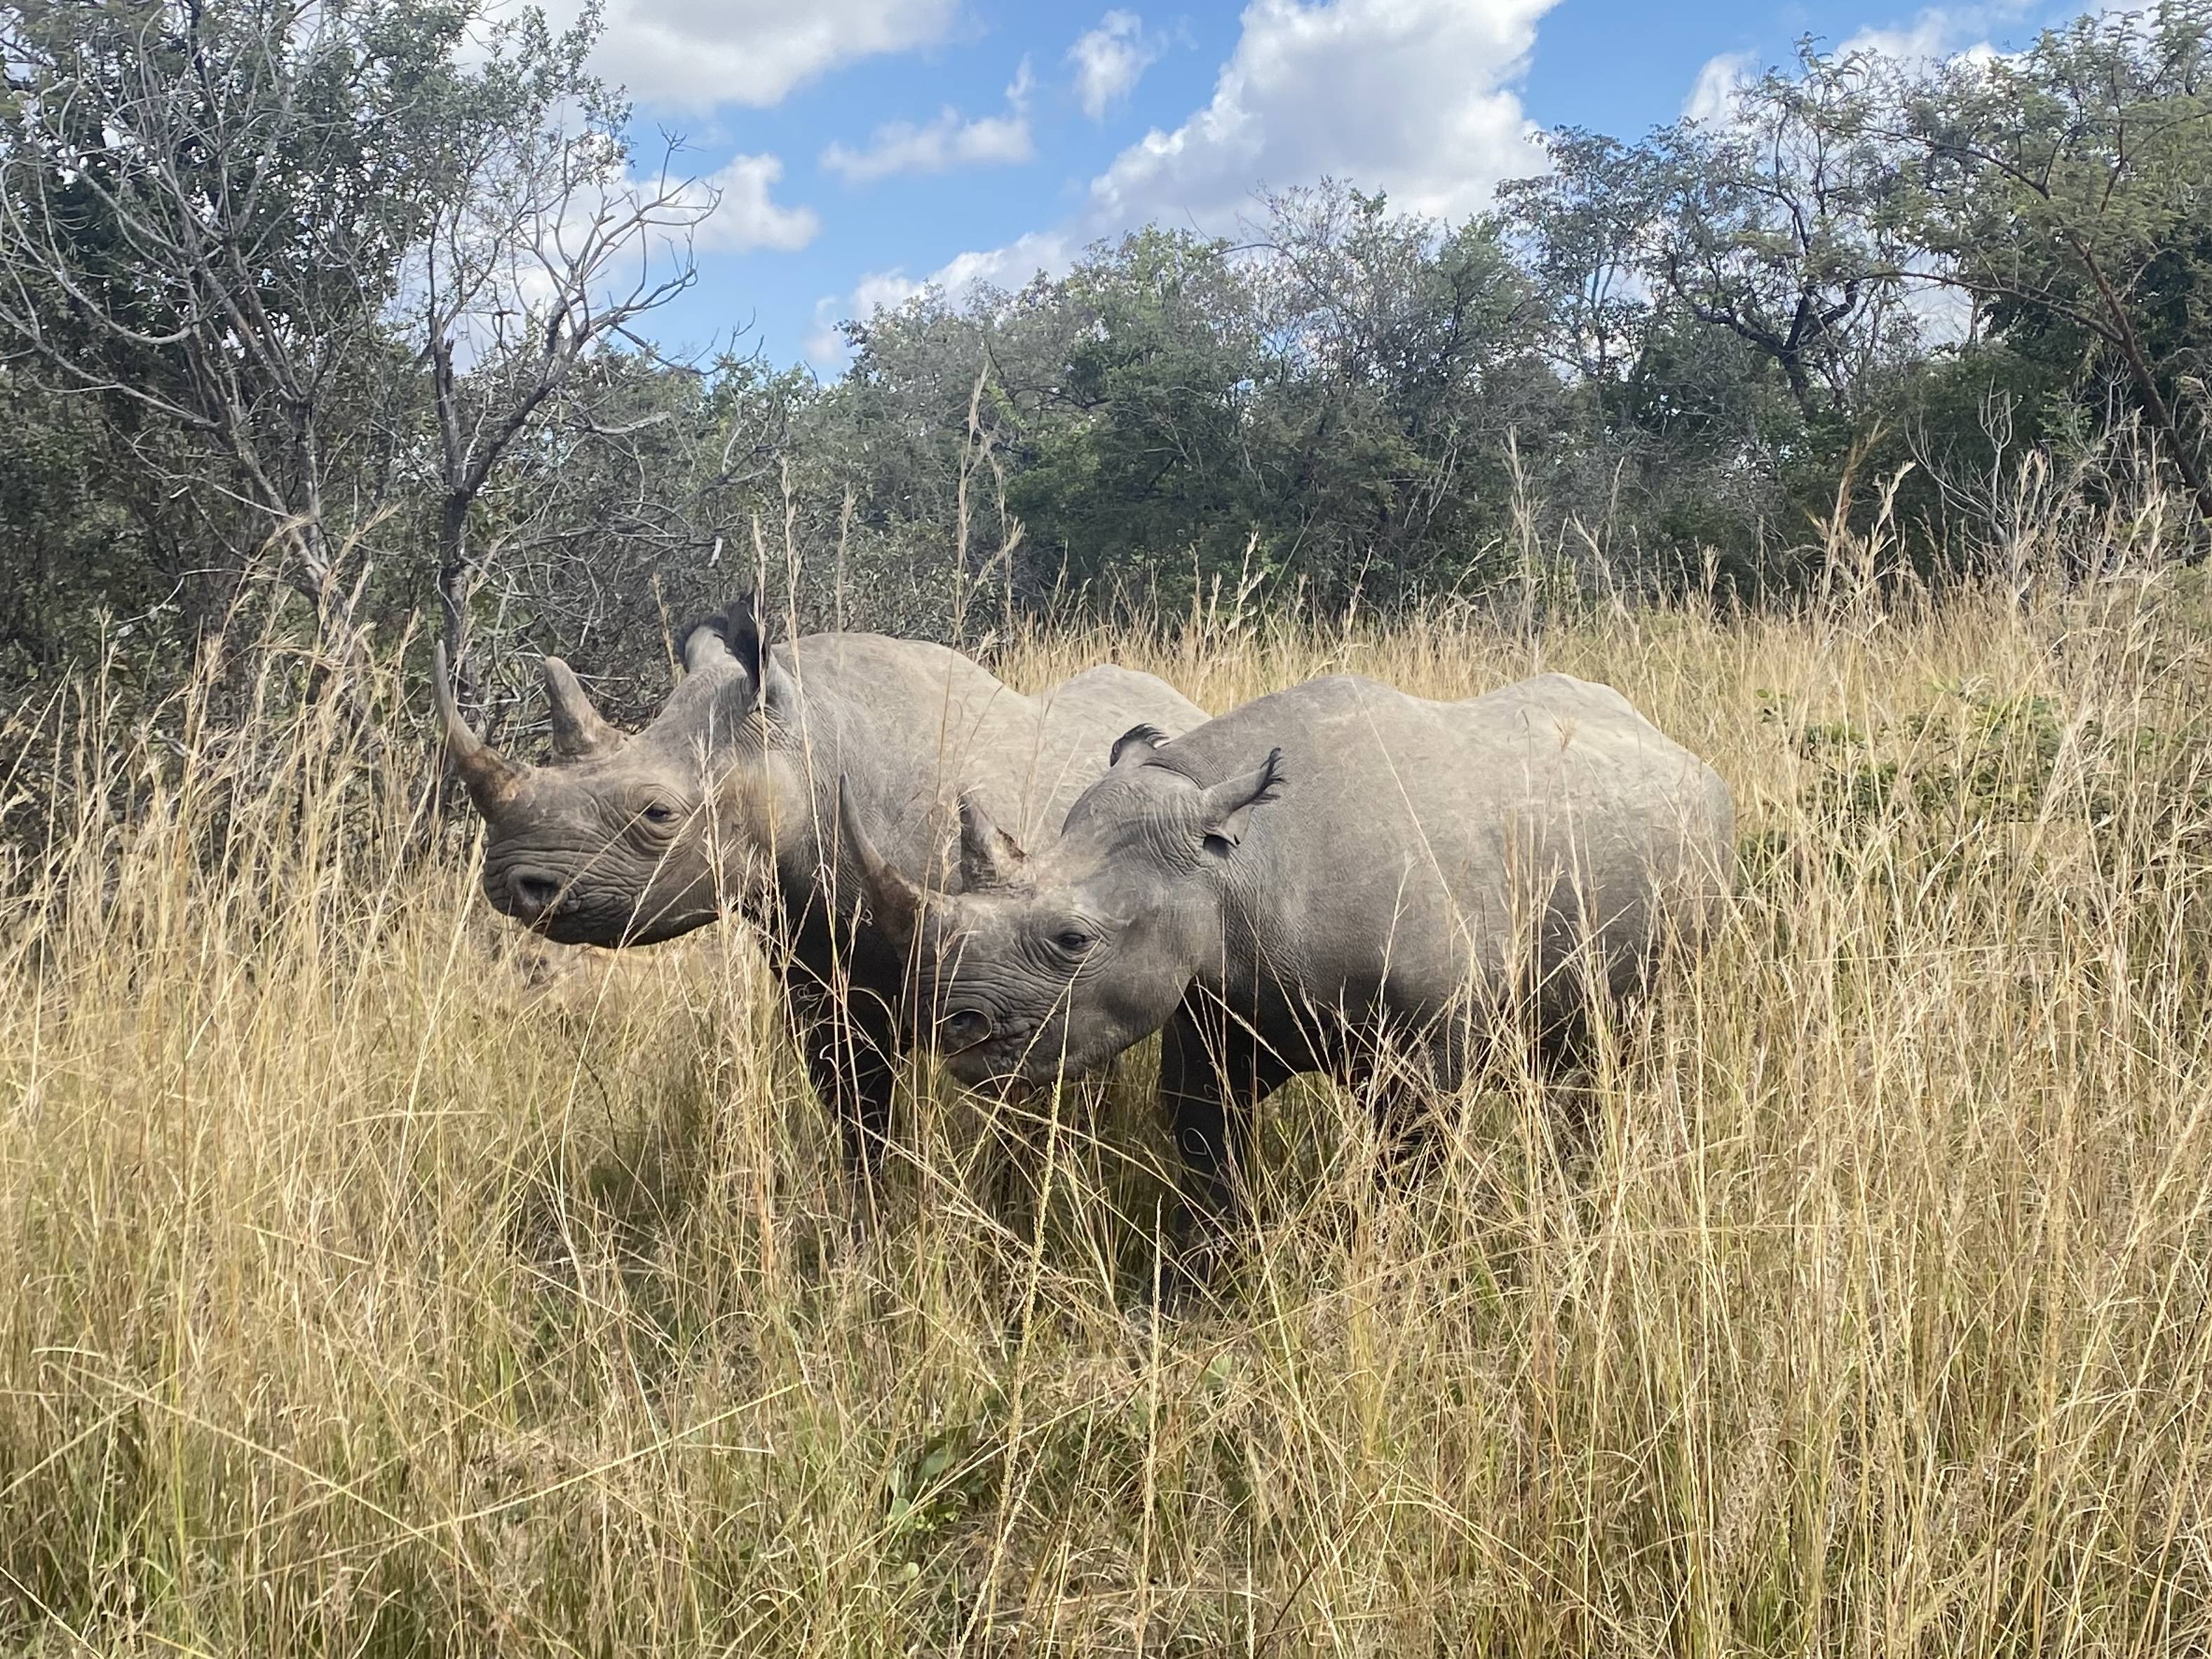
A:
{"x":863,"y":147}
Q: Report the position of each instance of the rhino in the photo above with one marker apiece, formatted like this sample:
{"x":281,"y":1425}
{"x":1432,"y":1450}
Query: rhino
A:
{"x":729,"y":800}
{"x":1326,"y":874}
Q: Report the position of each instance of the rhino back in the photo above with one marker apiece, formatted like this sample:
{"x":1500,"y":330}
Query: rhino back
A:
{"x":912,"y":726}
{"x":895,"y":713}
{"x":1078,"y":721}
{"x":1420,"y":844}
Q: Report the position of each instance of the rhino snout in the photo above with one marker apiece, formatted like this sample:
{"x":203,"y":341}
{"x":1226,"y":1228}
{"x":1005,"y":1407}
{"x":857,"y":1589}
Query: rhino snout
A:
{"x":533,"y":893}
{"x":964,"y":1029}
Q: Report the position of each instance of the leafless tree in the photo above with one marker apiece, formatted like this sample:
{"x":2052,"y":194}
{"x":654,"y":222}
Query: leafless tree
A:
{"x":200,"y":219}
{"x":555,"y":252}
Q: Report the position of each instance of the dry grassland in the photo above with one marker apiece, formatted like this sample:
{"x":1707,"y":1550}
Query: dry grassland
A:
{"x":373,"y":1284}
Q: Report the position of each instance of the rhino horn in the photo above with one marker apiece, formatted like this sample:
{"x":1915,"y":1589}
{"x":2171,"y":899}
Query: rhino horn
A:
{"x":579,"y":732}
{"x":989,"y":857}
{"x":893,"y":900}
{"x":492,"y":779}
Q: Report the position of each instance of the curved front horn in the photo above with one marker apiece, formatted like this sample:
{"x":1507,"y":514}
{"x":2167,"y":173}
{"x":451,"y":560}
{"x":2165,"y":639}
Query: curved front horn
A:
{"x":894,"y":901}
{"x":491,"y":778}
{"x":579,"y":732}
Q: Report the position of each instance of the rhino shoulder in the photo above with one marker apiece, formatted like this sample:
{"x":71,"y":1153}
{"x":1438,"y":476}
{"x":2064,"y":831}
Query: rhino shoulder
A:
{"x":885,"y":655}
{"x":1565,"y":696}
{"x":1114,"y":694}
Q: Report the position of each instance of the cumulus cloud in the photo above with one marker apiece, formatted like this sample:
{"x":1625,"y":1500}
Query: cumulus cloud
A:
{"x":746,"y":217}
{"x":1110,"y":60}
{"x":696,"y":54}
{"x":946,"y":143}
{"x":1411,"y":97}
{"x":1009,"y":266}
{"x":1713,"y":97}
{"x":884,"y":290}
{"x":880,"y":290}
{"x":1938,"y":32}
{"x":1933,"y":35}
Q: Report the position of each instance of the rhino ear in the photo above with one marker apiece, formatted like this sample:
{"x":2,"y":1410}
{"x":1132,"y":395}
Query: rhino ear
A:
{"x":1137,"y":741}
{"x":1226,"y":809}
{"x":748,"y":643}
{"x":735,"y":643}
{"x":733,"y":636}
{"x":989,"y":857}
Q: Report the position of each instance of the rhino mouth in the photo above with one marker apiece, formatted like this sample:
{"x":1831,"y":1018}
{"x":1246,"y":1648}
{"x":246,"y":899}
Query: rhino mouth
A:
{"x":565,"y":929}
{"x":999,"y":1056}
{"x":1012,"y":1063}
{"x":566,"y":922}
{"x":1001,"y":1047}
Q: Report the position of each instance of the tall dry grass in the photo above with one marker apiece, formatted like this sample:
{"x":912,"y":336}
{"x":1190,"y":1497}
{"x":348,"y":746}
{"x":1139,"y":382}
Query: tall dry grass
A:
{"x":372,"y":1287}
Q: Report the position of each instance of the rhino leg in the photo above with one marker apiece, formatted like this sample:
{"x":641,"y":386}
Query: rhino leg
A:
{"x":850,"y":1046}
{"x":1213,"y":1073}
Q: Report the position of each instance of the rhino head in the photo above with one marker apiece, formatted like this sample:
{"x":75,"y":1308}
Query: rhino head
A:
{"x":1050,"y":966}
{"x":628,"y":839}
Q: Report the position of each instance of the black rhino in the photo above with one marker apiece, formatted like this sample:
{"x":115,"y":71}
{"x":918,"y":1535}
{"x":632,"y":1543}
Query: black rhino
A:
{"x":728,"y":799}
{"x":1428,"y":865}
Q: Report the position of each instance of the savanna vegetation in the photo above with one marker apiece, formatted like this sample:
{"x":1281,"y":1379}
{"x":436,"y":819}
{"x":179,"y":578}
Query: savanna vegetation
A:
{"x":379,"y":1284}
{"x":381,"y":1281}
{"x":340,"y":317}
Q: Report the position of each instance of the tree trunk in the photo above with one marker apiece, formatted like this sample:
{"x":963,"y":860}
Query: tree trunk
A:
{"x":2154,"y":404}
{"x":453,"y":590}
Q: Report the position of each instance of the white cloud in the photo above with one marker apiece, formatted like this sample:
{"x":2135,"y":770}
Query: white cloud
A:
{"x":880,"y":290}
{"x":883,"y":291}
{"x":1933,"y":35}
{"x":1938,"y":32}
{"x":1009,"y":266}
{"x":746,"y":217}
{"x":944,"y":144}
{"x":697,"y":54}
{"x":886,"y":290}
{"x":1109,"y":59}
{"x":823,"y":345}
{"x":1410,"y":97}
{"x":1713,"y":97}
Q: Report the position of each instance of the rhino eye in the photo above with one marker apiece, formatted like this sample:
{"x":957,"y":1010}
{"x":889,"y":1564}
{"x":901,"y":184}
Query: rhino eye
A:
{"x":1074,"y":940}
{"x":658,"y":813}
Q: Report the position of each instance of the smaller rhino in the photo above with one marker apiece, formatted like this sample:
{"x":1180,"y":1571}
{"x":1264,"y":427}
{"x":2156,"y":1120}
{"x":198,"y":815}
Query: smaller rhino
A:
{"x":1325,"y":872}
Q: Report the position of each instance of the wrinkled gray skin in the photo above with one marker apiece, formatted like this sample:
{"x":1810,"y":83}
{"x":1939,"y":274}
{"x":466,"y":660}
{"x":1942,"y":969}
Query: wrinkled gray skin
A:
{"x":1286,"y":887}
{"x":730,"y":799}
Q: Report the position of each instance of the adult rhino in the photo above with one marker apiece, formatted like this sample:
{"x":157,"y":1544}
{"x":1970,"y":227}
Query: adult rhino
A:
{"x":1430,"y":864}
{"x":729,"y":796}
